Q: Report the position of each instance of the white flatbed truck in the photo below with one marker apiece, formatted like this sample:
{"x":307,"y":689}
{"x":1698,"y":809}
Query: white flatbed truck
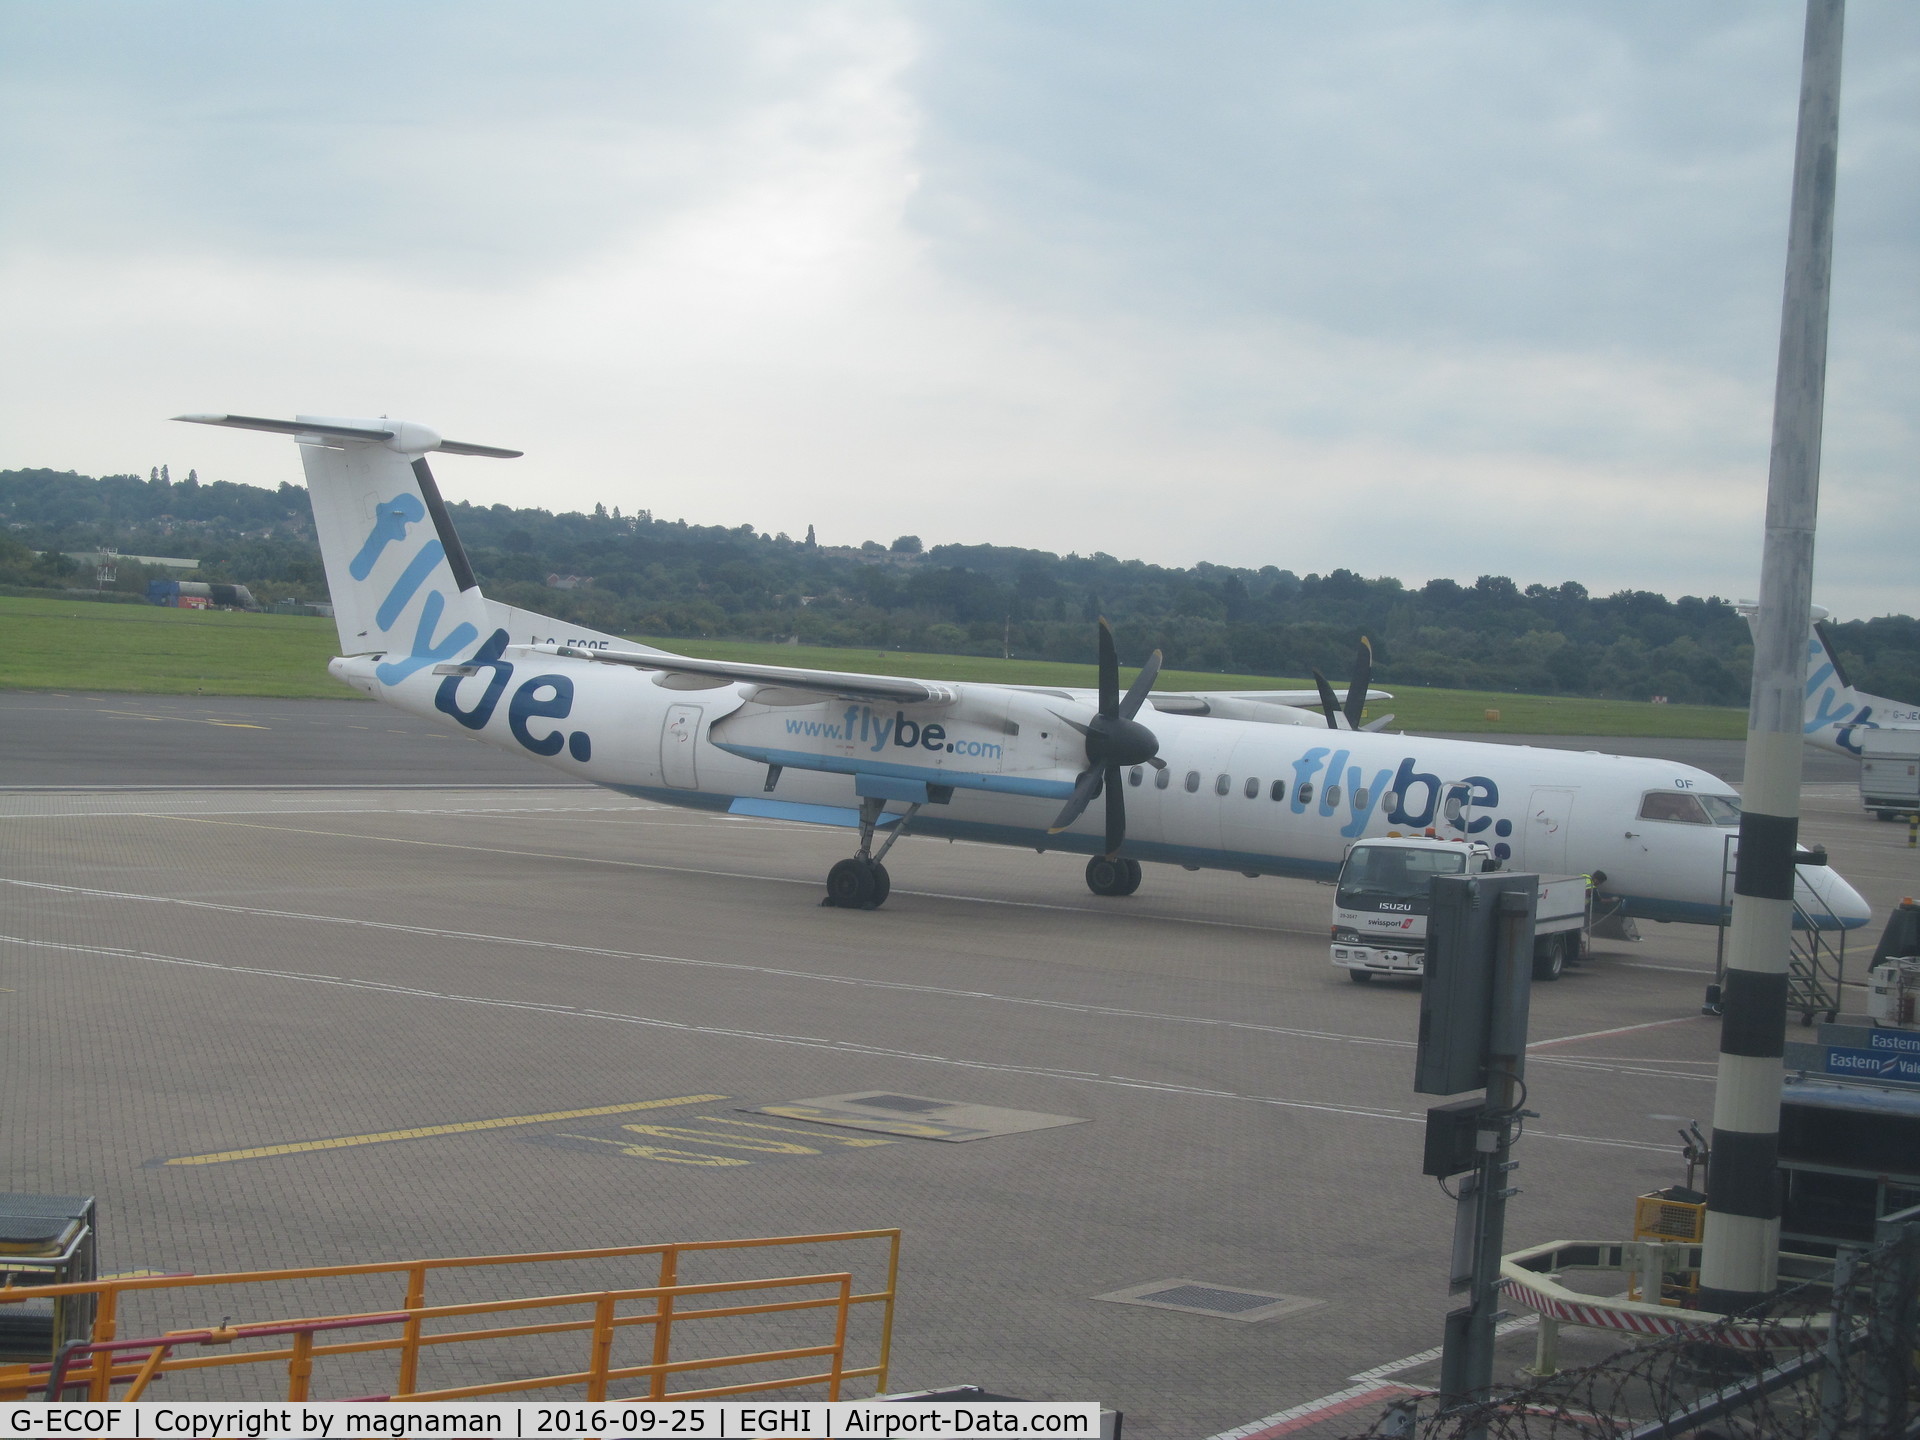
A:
{"x":1381,"y":901}
{"x":1889,"y":772}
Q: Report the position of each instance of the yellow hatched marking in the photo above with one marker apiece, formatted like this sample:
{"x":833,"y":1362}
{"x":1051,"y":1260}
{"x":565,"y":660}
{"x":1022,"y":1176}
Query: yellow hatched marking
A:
{"x":222,"y":1157}
{"x":819,"y":1136}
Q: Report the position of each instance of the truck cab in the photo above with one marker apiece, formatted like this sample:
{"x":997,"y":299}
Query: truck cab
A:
{"x":1382,"y":899}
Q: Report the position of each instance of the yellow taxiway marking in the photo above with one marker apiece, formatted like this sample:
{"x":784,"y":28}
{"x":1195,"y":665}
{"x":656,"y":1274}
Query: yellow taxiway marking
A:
{"x":420,"y":1132}
{"x":185,"y":719}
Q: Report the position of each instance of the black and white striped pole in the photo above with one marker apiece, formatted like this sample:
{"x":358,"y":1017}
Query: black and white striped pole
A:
{"x":1739,"y":1264}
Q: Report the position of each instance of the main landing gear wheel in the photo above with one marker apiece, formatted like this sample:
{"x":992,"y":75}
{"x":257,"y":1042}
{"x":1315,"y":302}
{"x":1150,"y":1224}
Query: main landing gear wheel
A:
{"x":862,"y":883}
{"x":1550,"y":955}
{"x":858,"y":884}
{"x":1113,"y":875}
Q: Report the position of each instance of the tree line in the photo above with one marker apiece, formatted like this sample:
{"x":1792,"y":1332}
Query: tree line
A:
{"x":635,"y":574}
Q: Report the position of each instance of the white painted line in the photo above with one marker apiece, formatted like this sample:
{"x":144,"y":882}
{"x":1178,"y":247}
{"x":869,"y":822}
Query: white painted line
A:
{"x":1367,"y":1385}
{"x":1394,"y":1367}
{"x":1616,"y":1030}
{"x":810,"y":1042}
{"x":856,"y":981}
{"x":1106,"y":913}
{"x":1350,"y":1398}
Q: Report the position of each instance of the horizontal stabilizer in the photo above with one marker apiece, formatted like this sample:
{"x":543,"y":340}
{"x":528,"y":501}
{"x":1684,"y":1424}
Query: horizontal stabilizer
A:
{"x":404,"y":436}
{"x":825,"y":682}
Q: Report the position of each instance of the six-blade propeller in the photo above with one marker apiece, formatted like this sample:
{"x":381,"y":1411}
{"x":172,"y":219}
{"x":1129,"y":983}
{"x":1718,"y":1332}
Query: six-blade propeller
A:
{"x":1356,"y":702}
{"x":1115,"y":740}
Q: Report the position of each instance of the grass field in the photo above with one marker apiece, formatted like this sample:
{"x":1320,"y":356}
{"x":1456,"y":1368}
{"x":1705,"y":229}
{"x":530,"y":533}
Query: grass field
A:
{"x":142,"y":649}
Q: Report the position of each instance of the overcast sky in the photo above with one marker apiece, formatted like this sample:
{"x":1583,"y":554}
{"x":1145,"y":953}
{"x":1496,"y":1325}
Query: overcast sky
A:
{"x":1416,"y":289}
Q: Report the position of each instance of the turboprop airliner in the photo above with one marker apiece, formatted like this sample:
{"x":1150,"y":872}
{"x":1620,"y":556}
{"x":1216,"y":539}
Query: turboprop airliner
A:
{"x":1227,"y":781}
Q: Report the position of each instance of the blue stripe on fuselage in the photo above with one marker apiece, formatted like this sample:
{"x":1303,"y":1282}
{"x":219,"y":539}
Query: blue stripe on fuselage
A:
{"x":936,"y":826}
{"x":930,"y":774}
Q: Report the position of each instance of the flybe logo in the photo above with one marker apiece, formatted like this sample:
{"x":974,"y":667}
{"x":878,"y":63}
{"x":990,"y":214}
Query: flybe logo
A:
{"x":1825,"y":705}
{"x":390,"y":523}
{"x":861,"y":726}
{"x":536,"y":702}
{"x":1325,"y":783}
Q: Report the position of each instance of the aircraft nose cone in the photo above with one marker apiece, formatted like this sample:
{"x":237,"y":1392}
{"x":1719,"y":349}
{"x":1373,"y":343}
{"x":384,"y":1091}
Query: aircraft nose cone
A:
{"x":1829,"y":901}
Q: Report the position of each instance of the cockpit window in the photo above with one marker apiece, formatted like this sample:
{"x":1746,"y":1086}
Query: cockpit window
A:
{"x":1673,"y":805}
{"x":1722,"y":809}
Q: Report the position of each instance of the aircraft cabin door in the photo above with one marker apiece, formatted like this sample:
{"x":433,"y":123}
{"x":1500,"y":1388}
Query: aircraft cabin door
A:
{"x":1548,"y":813}
{"x":677,"y":741}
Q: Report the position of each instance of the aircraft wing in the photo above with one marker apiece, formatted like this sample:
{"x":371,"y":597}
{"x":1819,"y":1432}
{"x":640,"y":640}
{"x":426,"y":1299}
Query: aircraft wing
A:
{"x":685,"y":672}
{"x":1192,"y":702}
{"x":1268,"y":707}
{"x":1304,"y":699}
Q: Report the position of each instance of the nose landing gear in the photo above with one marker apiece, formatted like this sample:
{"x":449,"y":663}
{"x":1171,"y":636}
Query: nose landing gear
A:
{"x":1113,"y":875}
{"x":862,"y":883}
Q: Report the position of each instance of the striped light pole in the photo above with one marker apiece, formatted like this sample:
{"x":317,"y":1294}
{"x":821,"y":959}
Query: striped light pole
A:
{"x":1739,"y":1265}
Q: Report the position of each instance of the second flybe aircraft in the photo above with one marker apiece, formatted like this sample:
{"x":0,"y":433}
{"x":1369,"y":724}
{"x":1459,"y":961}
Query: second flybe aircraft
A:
{"x":1837,"y":712}
{"x":1227,"y":781}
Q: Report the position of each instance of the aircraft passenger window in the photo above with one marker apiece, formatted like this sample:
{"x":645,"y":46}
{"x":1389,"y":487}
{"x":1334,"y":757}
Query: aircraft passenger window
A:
{"x":1304,"y":793}
{"x":1252,"y":788}
{"x":1360,"y":798}
{"x":1673,"y":805}
{"x":1222,"y":784}
{"x":1279,"y":790}
{"x":1193,"y":782}
{"x":1134,"y":776}
{"x":1331,"y":796}
{"x":1162,"y":778}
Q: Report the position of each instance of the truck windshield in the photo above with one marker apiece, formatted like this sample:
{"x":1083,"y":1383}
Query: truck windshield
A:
{"x":1377,"y":875}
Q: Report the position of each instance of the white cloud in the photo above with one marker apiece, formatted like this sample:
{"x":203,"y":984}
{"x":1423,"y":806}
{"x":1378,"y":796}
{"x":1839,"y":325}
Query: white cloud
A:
{"x":857,"y":266}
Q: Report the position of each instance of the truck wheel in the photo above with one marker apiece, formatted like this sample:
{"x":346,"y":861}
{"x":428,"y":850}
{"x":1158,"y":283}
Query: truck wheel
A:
{"x":1549,"y":957}
{"x":1360,"y":977}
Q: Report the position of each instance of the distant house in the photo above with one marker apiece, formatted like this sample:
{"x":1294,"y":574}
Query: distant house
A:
{"x":152,"y":562}
{"x":569,"y":582}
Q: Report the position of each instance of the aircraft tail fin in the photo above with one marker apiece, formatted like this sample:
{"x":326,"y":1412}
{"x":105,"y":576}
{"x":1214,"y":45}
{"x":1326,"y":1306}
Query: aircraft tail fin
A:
{"x":1833,"y":708}
{"x":399,"y":579}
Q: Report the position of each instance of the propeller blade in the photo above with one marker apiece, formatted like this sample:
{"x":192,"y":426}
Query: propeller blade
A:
{"x":1328,"y":702}
{"x":1159,"y":764}
{"x":1109,"y":672}
{"x":1068,"y":720}
{"x":1136,"y":695}
{"x":1086,"y":785}
{"x":1357,"y":687}
{"x":1378,"y":725}
{"x":1116,"y":812}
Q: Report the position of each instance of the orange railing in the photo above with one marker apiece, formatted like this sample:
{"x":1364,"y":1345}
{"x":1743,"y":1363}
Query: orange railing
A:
{"x":105,"y":1361}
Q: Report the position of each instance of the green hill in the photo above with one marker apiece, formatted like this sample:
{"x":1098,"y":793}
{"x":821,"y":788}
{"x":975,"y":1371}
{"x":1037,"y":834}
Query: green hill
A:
{"x":48,"y":644}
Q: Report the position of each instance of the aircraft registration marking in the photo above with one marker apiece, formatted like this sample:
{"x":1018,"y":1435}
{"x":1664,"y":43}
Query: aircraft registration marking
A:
{"x":421,"y":1132}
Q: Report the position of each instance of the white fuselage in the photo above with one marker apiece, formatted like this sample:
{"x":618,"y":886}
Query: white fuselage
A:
{"x":1008,"y":761}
